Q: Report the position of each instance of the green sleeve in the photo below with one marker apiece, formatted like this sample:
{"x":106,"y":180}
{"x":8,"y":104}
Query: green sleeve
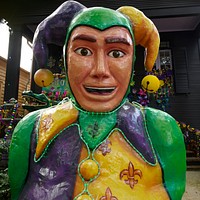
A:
{"x":168,"y":143}
{"x":19,"y":153}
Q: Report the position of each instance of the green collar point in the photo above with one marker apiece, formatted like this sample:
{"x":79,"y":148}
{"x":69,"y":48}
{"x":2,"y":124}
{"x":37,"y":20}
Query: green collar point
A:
{"x":96,"y":127}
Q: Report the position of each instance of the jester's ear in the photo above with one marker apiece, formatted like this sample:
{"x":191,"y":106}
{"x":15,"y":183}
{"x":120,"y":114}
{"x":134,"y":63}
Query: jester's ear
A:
{"x":145,"y":32}
{"x":52,"y":30}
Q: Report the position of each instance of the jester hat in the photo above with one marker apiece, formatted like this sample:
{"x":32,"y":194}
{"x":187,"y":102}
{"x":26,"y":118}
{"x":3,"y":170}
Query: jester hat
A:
{"x":57,"y":28}
{"x":99,"y":18}
{"x":54,"y":28}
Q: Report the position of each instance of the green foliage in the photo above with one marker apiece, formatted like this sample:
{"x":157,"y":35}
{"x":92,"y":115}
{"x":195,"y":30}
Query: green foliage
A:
{"x":4,"y":145}
{"x":4,"y":185}
{"x":4,"y":180}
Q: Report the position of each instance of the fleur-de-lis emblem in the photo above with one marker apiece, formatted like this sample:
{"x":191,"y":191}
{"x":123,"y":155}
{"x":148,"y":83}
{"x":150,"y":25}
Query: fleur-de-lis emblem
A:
{"x":104,"y":147}
{"x":51,"y":62}
{"x":108,"y":195}
{"x":46,"y":123}
{"x":130,"y":173}
{"x":93,"y":130}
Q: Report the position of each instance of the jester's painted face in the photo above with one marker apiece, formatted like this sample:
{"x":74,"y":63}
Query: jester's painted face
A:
{"x":99,"y":66}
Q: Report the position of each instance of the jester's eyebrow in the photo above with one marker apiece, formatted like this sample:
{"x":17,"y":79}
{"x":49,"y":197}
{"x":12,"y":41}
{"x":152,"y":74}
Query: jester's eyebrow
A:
{"x":117,"y":40}
{"x":84,"y":37}
{"x":108,"y":40}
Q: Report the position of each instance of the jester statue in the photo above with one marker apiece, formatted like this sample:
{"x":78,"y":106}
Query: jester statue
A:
{"x":96,"y":145}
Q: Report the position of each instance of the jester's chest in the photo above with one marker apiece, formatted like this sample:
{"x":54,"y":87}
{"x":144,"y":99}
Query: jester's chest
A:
{"x":114,"y":170}
{"x":100,"y":157}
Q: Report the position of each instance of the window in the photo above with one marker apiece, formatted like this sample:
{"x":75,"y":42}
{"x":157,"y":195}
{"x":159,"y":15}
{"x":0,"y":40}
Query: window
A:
{"x":164,"y":60}
{"x":26,"y":55}
{"x":26,"y":48}
{"x":4,"y":39}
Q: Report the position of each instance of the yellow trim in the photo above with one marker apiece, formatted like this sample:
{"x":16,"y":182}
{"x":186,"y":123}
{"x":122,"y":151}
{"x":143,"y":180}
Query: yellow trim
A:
{"x":52,"y":121}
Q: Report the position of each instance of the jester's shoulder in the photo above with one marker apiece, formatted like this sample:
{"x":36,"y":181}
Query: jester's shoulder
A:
{"x":52,"y":121}
{"x":163,"y":126}
{"x":46,"y":122}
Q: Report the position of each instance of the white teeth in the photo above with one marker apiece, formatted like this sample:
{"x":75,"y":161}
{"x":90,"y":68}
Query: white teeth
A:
{"x":101,"y":88}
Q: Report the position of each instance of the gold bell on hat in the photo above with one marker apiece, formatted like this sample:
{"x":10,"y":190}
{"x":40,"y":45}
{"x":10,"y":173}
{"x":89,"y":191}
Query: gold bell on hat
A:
{"x":150,"y":83}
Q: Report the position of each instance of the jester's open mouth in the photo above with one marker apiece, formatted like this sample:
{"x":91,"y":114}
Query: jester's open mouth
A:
{"x":100,"y":90}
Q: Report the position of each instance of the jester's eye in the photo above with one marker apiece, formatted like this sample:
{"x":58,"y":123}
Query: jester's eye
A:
{"x":83,"y":51}
{"x":116,"y":54}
